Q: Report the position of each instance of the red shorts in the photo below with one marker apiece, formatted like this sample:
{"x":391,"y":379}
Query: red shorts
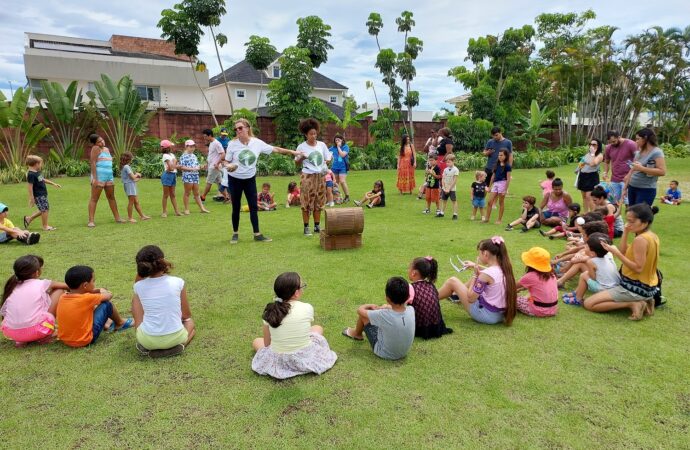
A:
{"x":432,"y":194}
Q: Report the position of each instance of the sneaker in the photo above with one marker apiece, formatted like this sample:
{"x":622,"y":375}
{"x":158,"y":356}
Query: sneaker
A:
{"x":262,"y":238}
{"x":142,"y":350}
{"x":235,"y":238}
{"x":473,"y":218}
{"x":357,"y":202}
{"x":524,"y":230}
{"x":509,"y":228}
{"x":33,"y":239}
{"x":542,"y":232}
{"x":426,"y":211}
{"x":346,"y":199}
{"x":307,"y":231}
{"x":483,"y":218}
{"x":317,"y":229}
{"x":439,"y":214}
{"x":218,"y":198}
{"x":176,"y":350}
{"x":454,"y":298}
{"x":369,"y":205}
{"x":455,"y":217}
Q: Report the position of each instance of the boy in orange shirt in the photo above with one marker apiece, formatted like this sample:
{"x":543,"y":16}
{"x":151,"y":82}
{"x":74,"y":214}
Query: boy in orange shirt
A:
{"x":83,"y":312}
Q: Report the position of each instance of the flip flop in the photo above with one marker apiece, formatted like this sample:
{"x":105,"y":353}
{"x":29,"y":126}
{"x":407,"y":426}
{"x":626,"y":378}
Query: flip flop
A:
{"x":129,"y":323}
{"x":346,"y":333}
{"x":50,"y":229}
{"x":26,"y":222}
{"x":90,"y":224}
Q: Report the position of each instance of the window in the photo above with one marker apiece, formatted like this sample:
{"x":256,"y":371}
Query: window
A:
{"x":149,"y":93}
{"x":240,"y":93}
{"x":35,"y":85}
{"x":276,"y":71}
{"x":334,"y":99}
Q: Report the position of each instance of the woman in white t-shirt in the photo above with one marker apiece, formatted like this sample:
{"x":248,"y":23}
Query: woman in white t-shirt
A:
{"x":241,"y":157}
{"x":162,"y":316}
{"x":291,"y":345}
{"x":313,"y":156}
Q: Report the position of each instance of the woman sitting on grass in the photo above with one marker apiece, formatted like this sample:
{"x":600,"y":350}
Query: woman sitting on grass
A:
{"x":639,"y":278}
{"x":291,"y":345}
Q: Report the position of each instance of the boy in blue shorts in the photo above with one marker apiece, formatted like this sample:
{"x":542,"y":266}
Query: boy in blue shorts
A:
{"x":478,"y":194}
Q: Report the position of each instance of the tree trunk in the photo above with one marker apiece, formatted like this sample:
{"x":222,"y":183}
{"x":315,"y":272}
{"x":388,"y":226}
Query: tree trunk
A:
{"x":203,"y":93}
{"x":261,"y":89}
{"x":220,"y":63}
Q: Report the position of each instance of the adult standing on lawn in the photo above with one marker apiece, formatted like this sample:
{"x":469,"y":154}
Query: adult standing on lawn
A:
{"x":240,"y":160}
{"x":313,"y":156}
{"x":406,"y":166}
{"x":101,"y":161}
{"x":493,"y":145}
{"x":618,"y":156}
{"x":340,"y":164}
{"x":431,"y":143}
{"x":588,"y":175}
{"x":216,"y":155}
{"x":648,"y":165}
{"x":639,"y":278}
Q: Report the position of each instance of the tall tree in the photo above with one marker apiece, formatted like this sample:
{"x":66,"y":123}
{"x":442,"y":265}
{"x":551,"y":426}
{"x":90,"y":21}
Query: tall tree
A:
{"x":207,"y":13}
{"x":374,"y":25}
{"x":313,"y":35}
{"x":178,"y":28}
{"x":260,"y":54}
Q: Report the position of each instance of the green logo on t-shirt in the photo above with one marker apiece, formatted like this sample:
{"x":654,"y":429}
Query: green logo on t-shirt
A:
{"x":316,"y":158}
{"x":246,"y":157}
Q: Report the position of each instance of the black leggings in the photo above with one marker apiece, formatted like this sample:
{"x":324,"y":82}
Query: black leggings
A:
{"x":248,"y":186}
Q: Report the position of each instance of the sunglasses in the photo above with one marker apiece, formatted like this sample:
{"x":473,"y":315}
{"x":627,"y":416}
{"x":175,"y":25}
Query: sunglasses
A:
{"x":239,"y":128}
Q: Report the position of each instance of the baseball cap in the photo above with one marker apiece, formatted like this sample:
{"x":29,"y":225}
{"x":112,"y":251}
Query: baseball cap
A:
{"x":3,"y":208}
{"x":166,"y":143}
{"x":223,"y":131}
{"x":189,"y":143}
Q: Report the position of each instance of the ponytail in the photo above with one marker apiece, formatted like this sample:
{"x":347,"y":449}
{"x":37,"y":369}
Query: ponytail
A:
{"x":151,"y":261}
{"x":285,"y":286}
{"x":497,"y":247}
{"x":24,"y":268}
{"x":427,"y":268}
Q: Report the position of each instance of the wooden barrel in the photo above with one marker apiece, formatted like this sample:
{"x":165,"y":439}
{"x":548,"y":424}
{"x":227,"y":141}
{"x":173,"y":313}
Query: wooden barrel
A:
{"x":343,"y":221}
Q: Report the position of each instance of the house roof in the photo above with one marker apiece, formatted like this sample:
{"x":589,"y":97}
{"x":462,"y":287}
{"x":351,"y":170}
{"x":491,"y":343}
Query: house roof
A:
{"x":339,"y":111}
{"x":459,"y":99}
{"x":243,"y":72}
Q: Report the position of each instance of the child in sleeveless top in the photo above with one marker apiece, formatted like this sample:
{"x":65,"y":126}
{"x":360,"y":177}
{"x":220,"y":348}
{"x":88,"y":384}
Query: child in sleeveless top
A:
{"x":427,"y":309}
{"x":28,"y":303}
{"x":540,"y":283}
{"x":129,"y":182}
{"x":490,"y":294}
{"x":290,"y":345}
{"x":169,"y":177}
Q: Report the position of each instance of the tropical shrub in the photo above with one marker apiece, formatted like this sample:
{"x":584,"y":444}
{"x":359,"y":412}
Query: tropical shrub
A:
{"x":469,"y":134}
{"x":676,"y":151}
{"x":20,"y":132}
{"x":229,"y":123}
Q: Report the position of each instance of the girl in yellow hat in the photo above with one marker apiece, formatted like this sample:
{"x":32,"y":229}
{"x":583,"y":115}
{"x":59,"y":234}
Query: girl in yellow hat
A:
{"x":540,"y":283}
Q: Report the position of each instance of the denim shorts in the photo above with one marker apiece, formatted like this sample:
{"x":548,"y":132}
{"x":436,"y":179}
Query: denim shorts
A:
{"x":479,"y":202}
{"x":339,"y":171}
{"x":372,"y":332}
{"x":100,"y":316}
{"x":483,"y":315}
{"x":169,"y":179}
{"x":329,"y":184}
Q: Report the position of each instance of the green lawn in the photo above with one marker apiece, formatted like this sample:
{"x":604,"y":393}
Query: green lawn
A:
{"x":579,"y":380}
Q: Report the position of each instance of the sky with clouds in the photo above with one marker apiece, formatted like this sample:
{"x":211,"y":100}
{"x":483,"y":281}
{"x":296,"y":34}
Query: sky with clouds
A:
{"x":445,"y":26}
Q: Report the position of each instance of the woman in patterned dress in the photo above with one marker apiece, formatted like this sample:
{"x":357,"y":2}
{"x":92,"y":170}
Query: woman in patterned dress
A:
{"x":406,"y":165}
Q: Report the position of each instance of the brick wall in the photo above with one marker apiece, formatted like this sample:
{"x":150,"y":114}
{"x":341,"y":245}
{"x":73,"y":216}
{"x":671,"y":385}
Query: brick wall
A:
{"x":130,"y":44}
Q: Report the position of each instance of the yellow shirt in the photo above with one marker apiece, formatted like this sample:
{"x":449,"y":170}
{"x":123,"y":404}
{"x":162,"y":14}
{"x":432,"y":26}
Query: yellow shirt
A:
{"x":7,"y":223}
{"x":648,"y":274}
{"x":293,"y":332}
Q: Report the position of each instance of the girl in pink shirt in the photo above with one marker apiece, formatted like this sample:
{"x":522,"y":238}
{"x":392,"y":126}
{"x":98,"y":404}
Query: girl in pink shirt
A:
{"x":540,"y":283}
{"x":29,"y":303}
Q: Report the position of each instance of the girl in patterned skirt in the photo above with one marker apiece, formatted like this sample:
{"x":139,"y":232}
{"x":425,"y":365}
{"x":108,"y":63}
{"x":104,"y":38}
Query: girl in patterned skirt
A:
{"x":291,"y":345}
{"x":427,"y":309}
{"x":189,"y":165}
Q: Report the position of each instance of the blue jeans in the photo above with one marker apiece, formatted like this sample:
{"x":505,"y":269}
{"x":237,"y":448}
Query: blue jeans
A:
{"x":100,"y":316}
{"x":641,"y":195}
{"x":616,"y":188}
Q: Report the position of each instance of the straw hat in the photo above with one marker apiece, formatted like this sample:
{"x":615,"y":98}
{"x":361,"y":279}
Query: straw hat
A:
{"x":538,"y":259}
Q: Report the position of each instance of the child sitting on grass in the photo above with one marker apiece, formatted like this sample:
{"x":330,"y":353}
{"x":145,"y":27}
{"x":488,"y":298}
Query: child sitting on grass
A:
{"x":561,"y":231}
{"x":569,"y":263}
{"x":293,"y":194}
{"x":601,"y":272}
{"x":84,"y":311}
{"x":427,"y":309}
{"x":8,"y":231}
{"x":265,"y":199}
{"x":673,"y":195}
{"x":290,"y":345}
{"x":529,"y":217}
{"x":38,"y":193}
{"x":540,"y":283}
{"x":162,"y":316}
{"x":390,"y":328}
{"x":375,"y":198}
{"x":28,"y":303}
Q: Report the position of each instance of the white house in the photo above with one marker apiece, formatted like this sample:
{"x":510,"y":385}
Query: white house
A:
{"x":418,"y":115}
{"x":164,"y":79}
{"x":246,"y":89}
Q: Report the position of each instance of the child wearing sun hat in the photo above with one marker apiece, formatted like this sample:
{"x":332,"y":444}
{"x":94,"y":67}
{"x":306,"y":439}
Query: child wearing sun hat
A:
{"x":540,"y":283}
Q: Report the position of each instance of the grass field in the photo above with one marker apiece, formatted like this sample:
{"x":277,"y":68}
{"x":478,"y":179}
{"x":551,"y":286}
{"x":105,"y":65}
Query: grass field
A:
{"x":579,"y":380}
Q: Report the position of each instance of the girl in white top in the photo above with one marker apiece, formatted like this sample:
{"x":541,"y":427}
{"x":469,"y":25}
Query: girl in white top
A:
{"x":291,"y":345}
{"x":313,"y":156}
{"x":169,"y":177}
{"x":240,"y":160}
{"x":162,"y":316}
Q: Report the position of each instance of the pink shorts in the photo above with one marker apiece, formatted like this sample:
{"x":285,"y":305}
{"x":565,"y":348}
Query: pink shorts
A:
{"x":499,"y":187}
{"x":525,"y":306}
{"x":33,"y":333}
